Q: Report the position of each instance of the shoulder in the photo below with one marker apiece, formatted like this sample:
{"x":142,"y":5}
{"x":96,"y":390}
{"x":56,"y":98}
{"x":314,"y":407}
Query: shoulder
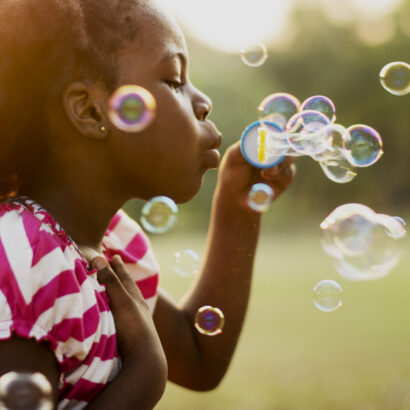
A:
{"x":32,"y":252}
{"x":125,"y":234}
{"x":126,"y":238}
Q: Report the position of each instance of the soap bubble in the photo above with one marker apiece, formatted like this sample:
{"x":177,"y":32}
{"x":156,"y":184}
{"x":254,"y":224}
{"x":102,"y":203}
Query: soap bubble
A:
{"x":131,"y":108}
{"x":308,"y":132}
{"x":327,"y":295}
{"x":25,"y":391}
{"x":278,"y":108}
{"x":209,"y":321}
{"x":186,"y":262}
{"x":260,"y":197}
{"x":159,"y":215}
{"x":365,"y":245}
{"x":365,"y":146}
{"x":336,"y":137}
{"x":338,"y":170}
{"x":333,"y":160}
{"x":254,"y":54}
{"x":322,"y":104}
{"x":395,"y":78}
{"x":401,"y":220}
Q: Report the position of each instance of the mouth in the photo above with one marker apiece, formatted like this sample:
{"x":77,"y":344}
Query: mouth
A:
{"x":212,"y":155}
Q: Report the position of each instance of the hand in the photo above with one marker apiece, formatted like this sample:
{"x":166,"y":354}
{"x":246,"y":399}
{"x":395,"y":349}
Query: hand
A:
{"x":135,"y":328}
{"x":236,"y":176}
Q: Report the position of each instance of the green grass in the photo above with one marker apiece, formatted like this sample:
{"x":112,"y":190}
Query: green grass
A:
{"x":291,"y":356}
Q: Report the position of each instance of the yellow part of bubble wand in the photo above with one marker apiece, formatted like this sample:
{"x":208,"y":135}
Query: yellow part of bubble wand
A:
{"x":262,"y":144}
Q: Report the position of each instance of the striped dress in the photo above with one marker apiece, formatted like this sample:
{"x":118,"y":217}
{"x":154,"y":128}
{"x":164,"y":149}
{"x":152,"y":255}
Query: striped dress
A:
{"x":48,"y":292}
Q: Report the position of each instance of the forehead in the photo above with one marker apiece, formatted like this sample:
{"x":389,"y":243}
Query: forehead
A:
{"x":159,"y":36}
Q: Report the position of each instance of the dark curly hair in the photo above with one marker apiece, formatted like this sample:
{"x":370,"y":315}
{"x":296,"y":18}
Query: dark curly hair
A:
{"x":44,"y":45}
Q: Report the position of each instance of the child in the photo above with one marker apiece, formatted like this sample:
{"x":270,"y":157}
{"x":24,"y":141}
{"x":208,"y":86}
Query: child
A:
{"x":65,"y":172}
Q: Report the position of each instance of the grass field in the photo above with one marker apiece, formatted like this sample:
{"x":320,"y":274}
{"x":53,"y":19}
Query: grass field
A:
{"x":292,"y":356}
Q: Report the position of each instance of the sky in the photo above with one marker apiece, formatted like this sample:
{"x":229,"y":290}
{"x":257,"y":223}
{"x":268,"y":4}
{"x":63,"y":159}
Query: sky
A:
{"x":228,"y":24}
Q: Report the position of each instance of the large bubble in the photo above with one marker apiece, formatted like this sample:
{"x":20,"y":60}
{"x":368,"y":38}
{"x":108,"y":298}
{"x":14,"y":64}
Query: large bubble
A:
{"x":395,"y":78}
{"x":28,"y":391}
{"x":159,"y":215}
{"x":131,"y":108}
{"x":365,"y":245}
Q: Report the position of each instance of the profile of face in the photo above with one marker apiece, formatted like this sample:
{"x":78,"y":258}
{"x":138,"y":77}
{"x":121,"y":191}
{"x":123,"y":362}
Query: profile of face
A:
{"x":171,"y":156}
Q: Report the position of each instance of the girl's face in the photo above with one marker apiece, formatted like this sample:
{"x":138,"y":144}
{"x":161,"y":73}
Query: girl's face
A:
{"x":171,"y":156}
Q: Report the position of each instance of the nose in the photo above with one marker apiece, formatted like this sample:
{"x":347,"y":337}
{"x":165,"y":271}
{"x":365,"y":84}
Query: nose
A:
{"x":202,"y":106}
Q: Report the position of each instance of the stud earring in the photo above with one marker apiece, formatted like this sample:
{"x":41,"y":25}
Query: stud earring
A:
{"x":102,"y":129}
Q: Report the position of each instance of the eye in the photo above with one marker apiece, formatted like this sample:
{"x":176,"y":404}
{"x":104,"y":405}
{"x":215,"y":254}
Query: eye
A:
{"x":175,"y":85}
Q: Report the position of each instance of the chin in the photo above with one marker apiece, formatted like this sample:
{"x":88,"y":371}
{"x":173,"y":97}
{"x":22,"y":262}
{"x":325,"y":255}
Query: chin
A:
{"x":185,"y":195}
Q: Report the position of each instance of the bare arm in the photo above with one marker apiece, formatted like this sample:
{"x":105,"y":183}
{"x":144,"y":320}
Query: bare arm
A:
{"x":196,"y":361}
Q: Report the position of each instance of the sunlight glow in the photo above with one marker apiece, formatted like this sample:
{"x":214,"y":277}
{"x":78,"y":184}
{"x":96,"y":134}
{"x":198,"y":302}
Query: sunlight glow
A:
{"x":228,"y":24}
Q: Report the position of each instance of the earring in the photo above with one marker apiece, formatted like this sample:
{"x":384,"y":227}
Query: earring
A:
{"x":102,"y":129}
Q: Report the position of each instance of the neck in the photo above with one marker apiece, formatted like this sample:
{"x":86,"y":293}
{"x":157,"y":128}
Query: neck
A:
{"x":82,"y":212}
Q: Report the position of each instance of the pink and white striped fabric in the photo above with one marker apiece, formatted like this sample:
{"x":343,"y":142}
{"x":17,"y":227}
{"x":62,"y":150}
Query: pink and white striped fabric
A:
{"x":48,"y":292}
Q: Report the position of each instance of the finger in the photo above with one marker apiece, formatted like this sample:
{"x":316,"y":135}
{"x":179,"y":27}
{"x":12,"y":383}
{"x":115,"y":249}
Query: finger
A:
{"x":268,"y":173}
{"x":116,"y":291}
{"x":284,"y":179}
{"x":125,"y":278}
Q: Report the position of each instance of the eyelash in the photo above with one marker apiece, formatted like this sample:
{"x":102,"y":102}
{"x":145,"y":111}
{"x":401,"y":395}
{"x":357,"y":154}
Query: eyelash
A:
{"x":175,"y":85}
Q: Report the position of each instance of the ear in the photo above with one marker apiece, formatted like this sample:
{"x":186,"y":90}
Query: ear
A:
{"x":83,"y":107}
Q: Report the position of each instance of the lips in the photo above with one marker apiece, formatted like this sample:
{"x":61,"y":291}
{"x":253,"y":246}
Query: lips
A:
{"x":215,"y":141}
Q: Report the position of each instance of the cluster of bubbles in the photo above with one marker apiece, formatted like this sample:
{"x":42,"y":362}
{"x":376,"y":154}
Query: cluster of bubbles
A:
{"x":254,"y":53}
{"x":288,"y":128}
{"x":364,"y":245}
{"x":131,"y":108}
{"x":25,"y":391}
{"x":395,"y":78}
{"x":158,"y":216}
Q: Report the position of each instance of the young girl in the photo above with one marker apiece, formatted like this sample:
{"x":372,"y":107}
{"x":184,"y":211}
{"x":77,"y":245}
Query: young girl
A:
{"x":103,"y":333}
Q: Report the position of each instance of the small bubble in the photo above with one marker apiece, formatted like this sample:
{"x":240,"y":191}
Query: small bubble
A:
{"x":278,"y":108}
{"x":395,"y":78}
{"x":209,"y":321}
{"x":159,"y":215}
{"x":254,"y":54}
{"x":327,"y":295}
{"x":365,"y":146}
{"x":186,"y":262}
{"x":260,"y":197}
{"x":322,"y":104}
{"x":131,"y":108}
{"x":28,"y":391}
